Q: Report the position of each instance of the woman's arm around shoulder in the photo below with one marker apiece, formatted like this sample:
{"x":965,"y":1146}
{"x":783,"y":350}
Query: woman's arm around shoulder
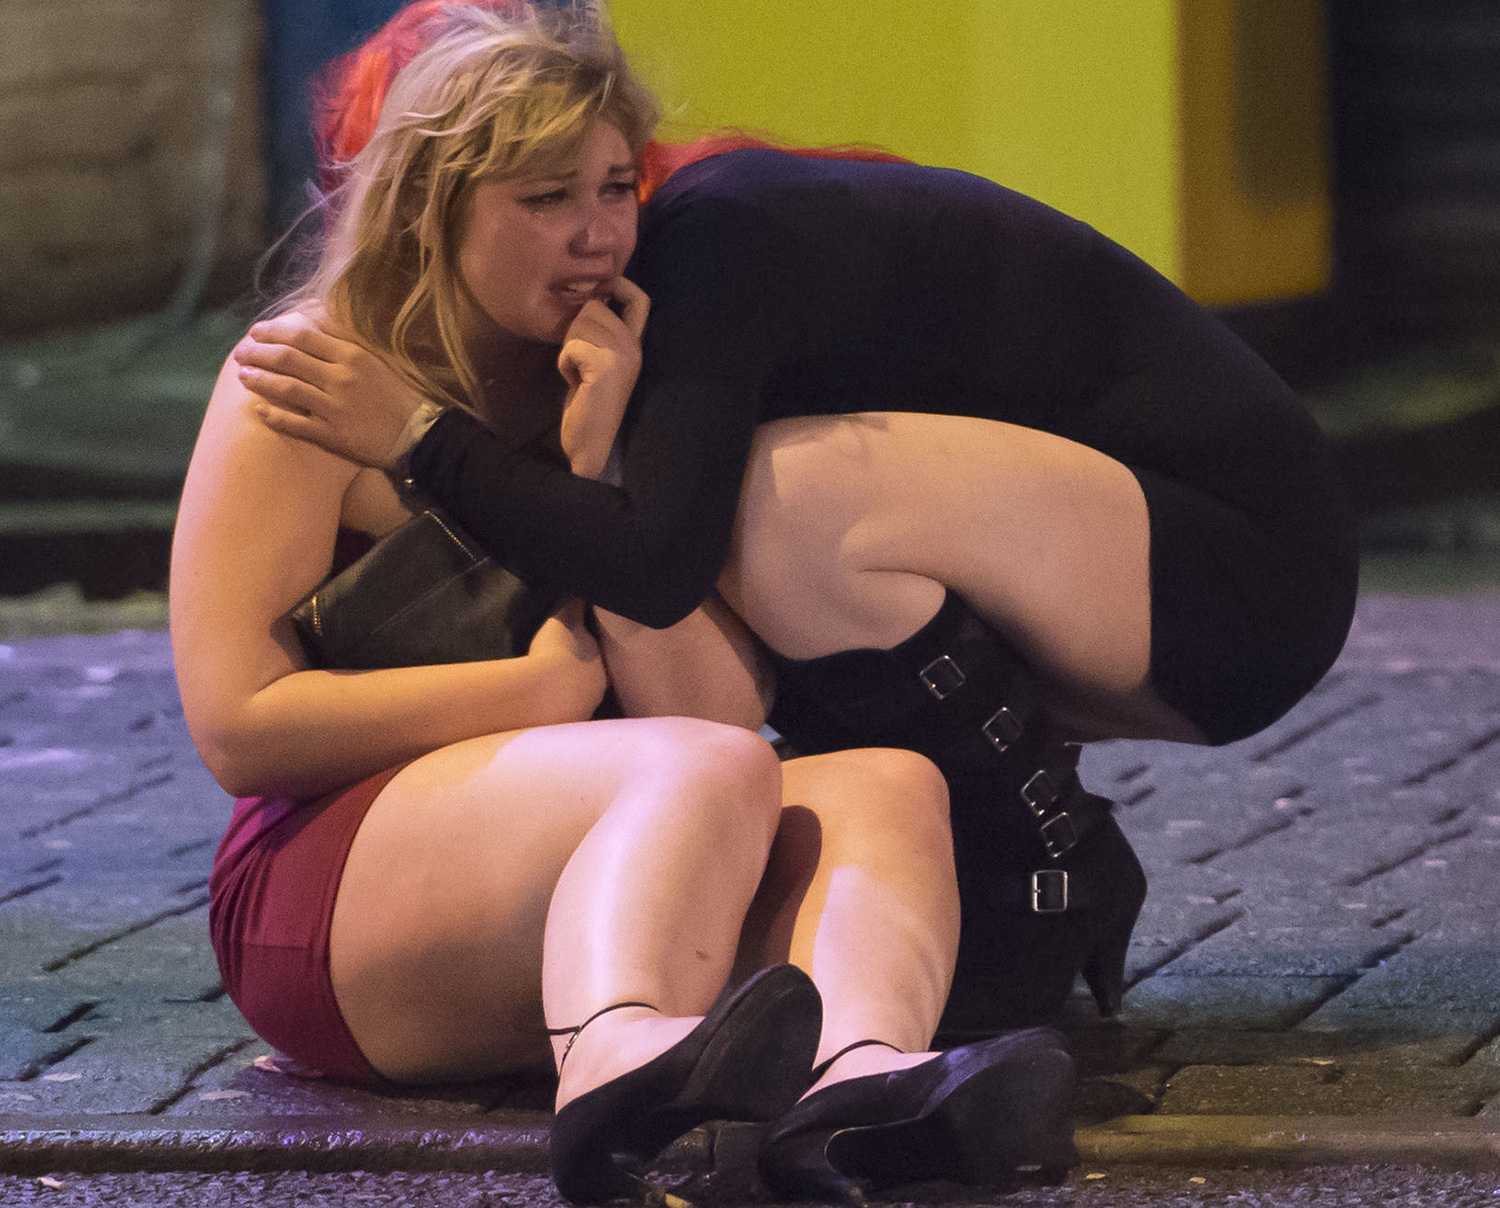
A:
{"x":255,"y":533}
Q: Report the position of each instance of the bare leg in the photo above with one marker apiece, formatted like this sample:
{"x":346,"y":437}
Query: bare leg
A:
{"x":576,"y":866}
{"x":707,"y":665}
{"x":852,"y":527}
{"x":860,"y":893}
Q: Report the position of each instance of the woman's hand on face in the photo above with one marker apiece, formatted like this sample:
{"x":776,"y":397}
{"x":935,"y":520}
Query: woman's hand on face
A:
{"x":600,"y":360}
{"x":314,"y":383}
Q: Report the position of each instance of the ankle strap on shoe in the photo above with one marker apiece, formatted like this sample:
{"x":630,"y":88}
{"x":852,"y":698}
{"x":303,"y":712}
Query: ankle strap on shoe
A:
{"x":827,"y":1063}
{"x":573,"y":1032}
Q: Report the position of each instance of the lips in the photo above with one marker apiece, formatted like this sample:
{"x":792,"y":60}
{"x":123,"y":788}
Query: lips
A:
{"x":583,"y":289}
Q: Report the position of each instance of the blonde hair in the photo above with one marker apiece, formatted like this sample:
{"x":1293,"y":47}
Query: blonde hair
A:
{"x":491,"y":96}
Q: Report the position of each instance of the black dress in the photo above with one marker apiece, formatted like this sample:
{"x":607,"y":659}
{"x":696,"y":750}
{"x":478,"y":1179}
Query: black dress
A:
{"x":783,"y":286}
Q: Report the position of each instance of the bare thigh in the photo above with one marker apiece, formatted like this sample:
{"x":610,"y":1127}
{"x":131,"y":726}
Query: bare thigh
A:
{"x":851,"y":528}
{"x":437,"y":935}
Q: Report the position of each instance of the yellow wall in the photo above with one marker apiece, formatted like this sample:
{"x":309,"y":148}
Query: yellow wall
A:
{"x":1080,"y":103}
{"x":1255,"y":198}
{"x":1073,"y":104}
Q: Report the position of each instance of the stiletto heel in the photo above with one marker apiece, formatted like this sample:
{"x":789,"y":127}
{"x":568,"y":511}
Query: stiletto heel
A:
{"x":748,"y":1059}
{"x":1104,"y":967}
{"x":1047,"y":883}
{"x":971,"y":1115}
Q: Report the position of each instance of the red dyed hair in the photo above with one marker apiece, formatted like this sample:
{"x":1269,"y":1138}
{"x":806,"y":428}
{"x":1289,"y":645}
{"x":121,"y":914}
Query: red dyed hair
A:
{"x":660,"y":160}
{"x":348,"y":94}
{"x":349,"y":91}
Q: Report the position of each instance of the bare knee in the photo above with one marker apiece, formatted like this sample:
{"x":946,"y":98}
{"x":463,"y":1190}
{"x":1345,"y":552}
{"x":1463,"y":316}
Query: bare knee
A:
{"x":715,"y":769}
{"x":877,"y":789}
{"x":903,"y":785}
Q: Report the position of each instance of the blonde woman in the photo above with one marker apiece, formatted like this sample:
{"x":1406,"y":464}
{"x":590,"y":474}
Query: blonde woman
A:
{"x":984,"y":484}
{"x":432,"y":869}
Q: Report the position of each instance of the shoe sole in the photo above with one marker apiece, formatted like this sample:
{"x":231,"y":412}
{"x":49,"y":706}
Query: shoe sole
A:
{"x":976,"y":1127}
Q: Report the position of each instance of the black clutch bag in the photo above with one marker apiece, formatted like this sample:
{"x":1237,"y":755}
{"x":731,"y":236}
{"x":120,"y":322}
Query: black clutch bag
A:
{"x":423,"y":594}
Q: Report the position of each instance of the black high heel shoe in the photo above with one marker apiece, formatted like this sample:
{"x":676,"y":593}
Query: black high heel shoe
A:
{"x":972,"y":1115}
{"x":1050,"y":887}
{"x":749,"y":1059}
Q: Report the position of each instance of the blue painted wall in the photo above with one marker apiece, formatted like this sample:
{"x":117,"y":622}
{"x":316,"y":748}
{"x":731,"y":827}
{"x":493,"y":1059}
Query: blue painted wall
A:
{"x":300,"y":36}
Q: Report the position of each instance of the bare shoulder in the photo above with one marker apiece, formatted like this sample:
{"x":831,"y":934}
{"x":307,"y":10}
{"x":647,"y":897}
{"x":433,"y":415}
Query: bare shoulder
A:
{"x":234,"y":440}
{"x":256,"y":524}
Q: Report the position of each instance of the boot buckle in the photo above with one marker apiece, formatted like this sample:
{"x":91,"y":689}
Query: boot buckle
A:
{"x":1002,"y":729}
{"x":943,"y":677}
{"x":1049,"y":891}
{"x":1059,"y":835}
{"x":1040,"y":792}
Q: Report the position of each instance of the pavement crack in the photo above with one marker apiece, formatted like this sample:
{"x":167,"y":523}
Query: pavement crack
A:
{"x":82,"y":1011}
{"x":1184,"y":946}
{"x":1134,"y":772}
{"x":1270,"y":827}
{"x":1383,"y":954}
{"x":1315,"y":727}
{"x":218,"y":1057}
{"x":54,"y":1057}
{"x":1335,"y":988}
{"x":1471,"y":749}
{"x":1139,"y":795}
{"x":1475,"y":1106}
{"x":33,"y":887}
{"x":183,"y":849}
{"x":124,"y":933}
{"x":1405,"y":857}
{"x":1472,"y":1049}
{"x":125,"y":794}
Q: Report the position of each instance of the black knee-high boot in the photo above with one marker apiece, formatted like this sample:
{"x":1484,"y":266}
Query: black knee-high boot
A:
{"x":1048,"y":884}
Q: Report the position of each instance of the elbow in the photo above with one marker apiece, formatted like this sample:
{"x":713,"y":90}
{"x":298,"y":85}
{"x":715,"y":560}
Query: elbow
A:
{"x":244,"y":764}
{"x":236,"y":775}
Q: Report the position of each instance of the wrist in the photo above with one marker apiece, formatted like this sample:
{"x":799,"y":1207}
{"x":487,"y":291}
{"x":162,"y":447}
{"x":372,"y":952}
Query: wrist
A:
{"x":398,"y":466}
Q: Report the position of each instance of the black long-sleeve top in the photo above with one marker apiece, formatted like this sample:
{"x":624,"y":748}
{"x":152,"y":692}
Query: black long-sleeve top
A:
{"x":784,"y":286}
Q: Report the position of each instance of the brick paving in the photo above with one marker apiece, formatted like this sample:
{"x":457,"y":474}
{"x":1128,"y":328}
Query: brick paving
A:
{"x":1320,"y":941}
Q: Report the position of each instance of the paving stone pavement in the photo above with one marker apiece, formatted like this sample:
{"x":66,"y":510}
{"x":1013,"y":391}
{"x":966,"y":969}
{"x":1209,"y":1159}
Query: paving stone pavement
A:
{"x":1320,"y":941}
